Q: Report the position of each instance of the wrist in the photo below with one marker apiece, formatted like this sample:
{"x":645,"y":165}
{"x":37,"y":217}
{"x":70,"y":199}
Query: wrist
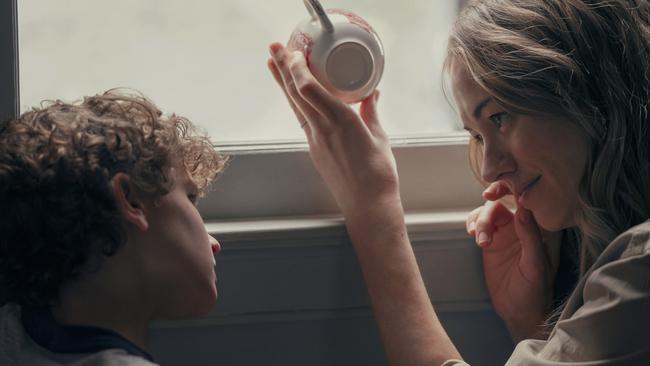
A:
{"x":380,"y":220}
{"x":385,"y":209}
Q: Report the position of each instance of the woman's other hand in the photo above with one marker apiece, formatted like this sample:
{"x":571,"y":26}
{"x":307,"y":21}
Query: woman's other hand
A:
{"x":520,"y":262}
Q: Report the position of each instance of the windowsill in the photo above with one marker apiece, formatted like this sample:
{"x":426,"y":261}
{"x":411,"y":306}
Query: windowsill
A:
{"x":416,"y":222}
{"x":281,"y":181}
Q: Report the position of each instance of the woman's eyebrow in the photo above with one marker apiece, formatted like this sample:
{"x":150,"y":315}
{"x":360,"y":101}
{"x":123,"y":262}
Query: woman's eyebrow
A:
{"x":480,"y":106}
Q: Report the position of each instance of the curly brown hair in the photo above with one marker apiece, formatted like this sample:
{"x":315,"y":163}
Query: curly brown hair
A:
{"x":56,"y":163}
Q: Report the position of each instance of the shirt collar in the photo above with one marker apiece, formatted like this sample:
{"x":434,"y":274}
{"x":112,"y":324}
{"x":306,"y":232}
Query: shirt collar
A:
{"x":41,"y":326}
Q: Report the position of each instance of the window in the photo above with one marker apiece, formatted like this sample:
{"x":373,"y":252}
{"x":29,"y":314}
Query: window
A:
{"x":206,"y":60}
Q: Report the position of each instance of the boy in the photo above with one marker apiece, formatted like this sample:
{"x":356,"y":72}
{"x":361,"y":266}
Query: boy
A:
{"x":99,"y":232}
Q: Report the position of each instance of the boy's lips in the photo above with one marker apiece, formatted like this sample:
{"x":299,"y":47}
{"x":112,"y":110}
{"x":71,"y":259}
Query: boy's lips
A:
{"x":216,"y":248}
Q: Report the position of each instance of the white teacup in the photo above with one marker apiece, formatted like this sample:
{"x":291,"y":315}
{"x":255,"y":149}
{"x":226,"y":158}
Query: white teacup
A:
{"x":342,"y":50}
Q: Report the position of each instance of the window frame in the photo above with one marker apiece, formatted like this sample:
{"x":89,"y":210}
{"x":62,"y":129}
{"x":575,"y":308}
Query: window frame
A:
{"x":277,"y":178}
{"x":9,"y":87}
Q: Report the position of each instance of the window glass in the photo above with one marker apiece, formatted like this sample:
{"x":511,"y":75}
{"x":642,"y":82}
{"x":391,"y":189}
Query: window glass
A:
{"x":206,"y":60}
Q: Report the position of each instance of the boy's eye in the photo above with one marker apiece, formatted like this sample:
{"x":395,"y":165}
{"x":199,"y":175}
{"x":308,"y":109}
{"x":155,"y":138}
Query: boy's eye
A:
{"x":498,"y":118}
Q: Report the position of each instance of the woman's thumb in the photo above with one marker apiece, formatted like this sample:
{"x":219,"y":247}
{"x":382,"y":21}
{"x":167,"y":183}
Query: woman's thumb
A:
{"x":368,"y":110}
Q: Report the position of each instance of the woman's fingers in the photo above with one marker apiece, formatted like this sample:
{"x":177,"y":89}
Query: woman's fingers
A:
{"x":495,"y":191}
{"x":492,"y":216}
{"x":281,"y":59}
{"x":470,"y":222}
{"x":278,"y":79}
{"x":313,"y":92}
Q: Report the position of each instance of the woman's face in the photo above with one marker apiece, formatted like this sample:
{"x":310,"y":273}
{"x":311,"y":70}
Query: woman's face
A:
{"x":540,"y":159}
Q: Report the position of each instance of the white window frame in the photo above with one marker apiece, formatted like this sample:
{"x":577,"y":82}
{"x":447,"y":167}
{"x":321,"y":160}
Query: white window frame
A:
{"x":278,"y":179}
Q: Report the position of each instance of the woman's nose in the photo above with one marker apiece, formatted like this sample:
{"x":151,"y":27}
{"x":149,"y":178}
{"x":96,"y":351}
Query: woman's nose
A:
{"x":496,"y":162}
{"x":216,"y":247}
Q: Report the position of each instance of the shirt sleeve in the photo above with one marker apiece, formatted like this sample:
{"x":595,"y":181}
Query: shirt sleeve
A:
{"x":611,"y":327}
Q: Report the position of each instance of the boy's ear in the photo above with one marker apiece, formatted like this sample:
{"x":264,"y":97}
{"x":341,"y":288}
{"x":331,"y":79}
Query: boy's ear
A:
{"x":128,"y":203}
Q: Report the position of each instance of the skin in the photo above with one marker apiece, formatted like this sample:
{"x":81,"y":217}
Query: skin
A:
{"x":165,"y":270}
{"x":520,"y":249}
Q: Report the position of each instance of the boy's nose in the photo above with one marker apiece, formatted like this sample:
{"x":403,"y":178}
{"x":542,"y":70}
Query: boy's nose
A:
{"x":216,"y":247}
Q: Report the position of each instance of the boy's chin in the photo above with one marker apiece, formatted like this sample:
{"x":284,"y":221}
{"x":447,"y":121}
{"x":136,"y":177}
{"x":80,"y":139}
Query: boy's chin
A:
{"x":192,"y":310}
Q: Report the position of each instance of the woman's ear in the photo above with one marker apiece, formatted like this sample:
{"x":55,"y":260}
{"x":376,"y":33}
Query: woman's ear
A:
{"x":128,"y":203}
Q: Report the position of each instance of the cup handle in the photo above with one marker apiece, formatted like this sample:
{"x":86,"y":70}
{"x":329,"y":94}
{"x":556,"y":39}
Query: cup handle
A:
{"x":317,"y":12}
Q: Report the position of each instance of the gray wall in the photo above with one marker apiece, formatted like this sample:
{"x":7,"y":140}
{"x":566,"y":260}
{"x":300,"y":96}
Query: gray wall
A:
{"x":299,"y":299}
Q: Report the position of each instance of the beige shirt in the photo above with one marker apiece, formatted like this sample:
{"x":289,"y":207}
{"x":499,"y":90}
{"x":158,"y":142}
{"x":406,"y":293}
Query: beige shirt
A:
{"x":606,"y":320}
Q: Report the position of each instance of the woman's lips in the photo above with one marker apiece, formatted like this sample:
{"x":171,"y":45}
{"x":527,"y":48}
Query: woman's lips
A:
{"x":526,"y":191}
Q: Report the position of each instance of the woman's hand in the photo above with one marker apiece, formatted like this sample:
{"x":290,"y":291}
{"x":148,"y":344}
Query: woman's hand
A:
{"x":520,"y":262}
{"x":350,"y":151}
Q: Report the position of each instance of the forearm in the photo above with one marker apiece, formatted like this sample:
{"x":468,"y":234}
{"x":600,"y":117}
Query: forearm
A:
{"x":410,"y":329}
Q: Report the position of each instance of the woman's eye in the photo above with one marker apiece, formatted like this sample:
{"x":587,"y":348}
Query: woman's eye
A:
{"x":499,"y":118}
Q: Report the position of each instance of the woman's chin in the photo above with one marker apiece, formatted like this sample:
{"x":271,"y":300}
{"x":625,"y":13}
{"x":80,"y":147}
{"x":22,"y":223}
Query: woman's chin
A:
{"x":551,"y":222}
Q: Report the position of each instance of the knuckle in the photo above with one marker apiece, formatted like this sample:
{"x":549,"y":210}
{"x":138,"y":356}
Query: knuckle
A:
{"x":291,"y":87}
{"x":329,"y":132}
{"x":483,"y":224}
{"x":305,"y":88}
{"x":294,"y":66}
{"x":281,"y":62}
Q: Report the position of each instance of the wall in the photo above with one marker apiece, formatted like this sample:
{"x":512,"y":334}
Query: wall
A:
{"x":296,"y":297}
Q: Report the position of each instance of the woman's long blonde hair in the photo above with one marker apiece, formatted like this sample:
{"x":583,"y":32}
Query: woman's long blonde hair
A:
{"x":585,"y":60}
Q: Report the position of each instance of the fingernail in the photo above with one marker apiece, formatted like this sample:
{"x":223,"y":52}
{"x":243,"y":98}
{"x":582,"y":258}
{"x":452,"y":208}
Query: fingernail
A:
{"x":275,"y":49}
{"x":492,"y":189}
{"x":472,"y":226}
{"x":483,"y":239}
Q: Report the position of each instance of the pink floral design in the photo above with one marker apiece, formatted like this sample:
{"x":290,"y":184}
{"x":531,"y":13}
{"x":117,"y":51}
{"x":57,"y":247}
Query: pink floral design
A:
{"x":301,"y":41}
{"x":353,"y":18}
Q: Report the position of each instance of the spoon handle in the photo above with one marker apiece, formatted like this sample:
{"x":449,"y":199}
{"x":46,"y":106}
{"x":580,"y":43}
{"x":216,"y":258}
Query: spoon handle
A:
{"x":317,"y":12}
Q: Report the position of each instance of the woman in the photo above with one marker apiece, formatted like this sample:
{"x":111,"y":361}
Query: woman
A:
{"x":555,"y":96}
